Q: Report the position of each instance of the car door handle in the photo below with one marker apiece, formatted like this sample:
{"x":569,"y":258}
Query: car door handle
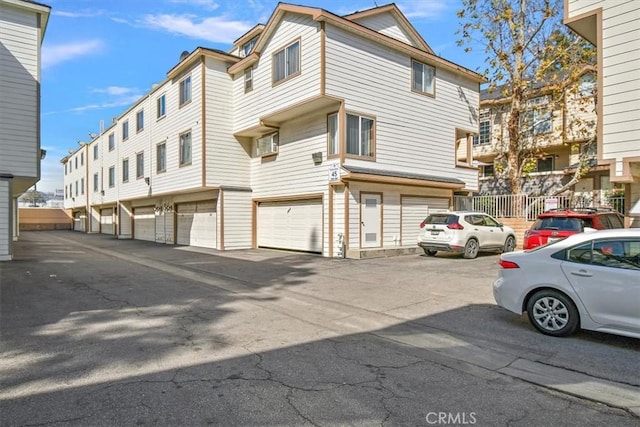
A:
{"x":581,"y":273}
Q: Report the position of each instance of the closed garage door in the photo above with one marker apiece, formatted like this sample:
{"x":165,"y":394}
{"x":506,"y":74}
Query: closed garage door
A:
{"x":144,"y":224}
{"x":197,"y":224}
{"x":78,"y":221}
{"x":106,"y":221}
{"x":295,"y":225}
{"x":414,"y":211}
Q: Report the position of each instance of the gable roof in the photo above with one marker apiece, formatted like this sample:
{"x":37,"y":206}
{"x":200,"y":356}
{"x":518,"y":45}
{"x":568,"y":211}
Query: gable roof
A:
{"x":321,"y":15}
{"x":399,"y":17}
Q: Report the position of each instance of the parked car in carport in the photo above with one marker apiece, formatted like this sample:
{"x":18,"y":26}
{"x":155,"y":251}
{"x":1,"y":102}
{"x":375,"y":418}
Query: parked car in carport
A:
{"x":588,"y":280}
{"x":464,"y":232}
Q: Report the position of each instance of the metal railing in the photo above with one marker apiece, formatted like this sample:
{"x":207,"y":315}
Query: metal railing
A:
{"x":528,"y":207}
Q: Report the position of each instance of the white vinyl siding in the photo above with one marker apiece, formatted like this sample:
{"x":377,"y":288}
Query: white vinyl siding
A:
{"x":386,"y":24}
{"x":265,"y":98}
{"x":227,"y":160}
{"x":19,"y":107}
{"x":237,"y":219}
{"x":411,"y":129}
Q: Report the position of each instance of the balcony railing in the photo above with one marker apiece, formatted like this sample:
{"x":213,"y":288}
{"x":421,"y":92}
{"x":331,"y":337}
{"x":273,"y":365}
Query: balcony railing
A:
{"x":527,"y":207}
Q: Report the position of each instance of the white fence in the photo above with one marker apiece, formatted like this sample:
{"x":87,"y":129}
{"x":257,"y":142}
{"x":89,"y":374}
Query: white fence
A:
{"x":527,"y":207}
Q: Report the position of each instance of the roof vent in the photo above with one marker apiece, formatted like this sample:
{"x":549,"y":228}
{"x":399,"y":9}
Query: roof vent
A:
{"x":183,"y":55}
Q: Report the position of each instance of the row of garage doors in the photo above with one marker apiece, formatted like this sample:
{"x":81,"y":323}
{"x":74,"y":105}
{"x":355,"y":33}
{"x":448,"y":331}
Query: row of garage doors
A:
{"x":294,"y":225}
{"x":195,"y":224}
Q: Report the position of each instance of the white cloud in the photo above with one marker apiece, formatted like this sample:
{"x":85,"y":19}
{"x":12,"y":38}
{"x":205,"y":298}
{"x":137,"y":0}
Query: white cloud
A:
{"x":206,"y":4}
{"x":87,"y":13}
{"x":123,"y":101}
{"x":415,"y":9}
{"x":214,"y":29}
{"x":58,"y":53}
{"x":116,"y":90}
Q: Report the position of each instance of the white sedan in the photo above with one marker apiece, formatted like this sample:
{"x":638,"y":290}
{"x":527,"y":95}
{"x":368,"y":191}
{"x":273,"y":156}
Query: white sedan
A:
{"x":588,"y":281}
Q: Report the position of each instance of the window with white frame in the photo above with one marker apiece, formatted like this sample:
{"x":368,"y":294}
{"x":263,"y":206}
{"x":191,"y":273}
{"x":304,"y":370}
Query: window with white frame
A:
{"x":487,"y":170}
{"x":96,"y":182}
{"x":125,"y":130}
{"x":140,"y":165}
{"x":82,"y":185}
{"x":185,"y":90}
{"x":423,"y":78}
{"x":538,"y":116}
{"x":125,"y":170}
{"x":76,"y":160}
{"x":76,"y":188}
{"x":112,"y":176}
{"x":65,"y":168}
{"x":185,"y":148}
{"x":286,"y":62}
{"x":82,"y":159}
{"x":268,"y":144}
{"x":161,"y":157}
{"x":332,"y":134}
{"x":139,"y":120}
{"x":248,"y":79}
{"x":484,"y":137}
{"x":161,"y":106}
{"x":95,"y":151}
{"x":248,"y":47}
{"x":360,"y":135}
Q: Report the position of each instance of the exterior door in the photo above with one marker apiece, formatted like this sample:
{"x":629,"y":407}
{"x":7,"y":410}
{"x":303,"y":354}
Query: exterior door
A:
{"x":106,"y":221}
{"x":370,"y":220}
{"x":197,"y":224}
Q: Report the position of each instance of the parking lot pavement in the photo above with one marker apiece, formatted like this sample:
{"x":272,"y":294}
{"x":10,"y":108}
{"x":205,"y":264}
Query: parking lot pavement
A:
{"x":97,"y":331}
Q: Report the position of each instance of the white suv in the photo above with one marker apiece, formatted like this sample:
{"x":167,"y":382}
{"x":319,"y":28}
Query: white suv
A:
{"x":464,"y":232}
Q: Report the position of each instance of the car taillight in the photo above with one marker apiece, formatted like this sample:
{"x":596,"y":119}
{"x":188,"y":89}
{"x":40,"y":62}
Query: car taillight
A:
{"x":507,"y":264}
{"x":422,"y":224}
{"x":530,"y":233}
{"x":455,"y":226}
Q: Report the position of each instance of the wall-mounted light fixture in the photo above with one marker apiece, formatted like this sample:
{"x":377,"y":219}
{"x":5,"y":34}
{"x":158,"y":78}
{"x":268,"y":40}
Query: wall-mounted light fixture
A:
{"x":146,"y":180}
{"x":43,"y":154}
{"x":317,"y":157}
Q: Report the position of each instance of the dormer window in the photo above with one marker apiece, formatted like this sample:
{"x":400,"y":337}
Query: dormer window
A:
{"x":248,"y":47}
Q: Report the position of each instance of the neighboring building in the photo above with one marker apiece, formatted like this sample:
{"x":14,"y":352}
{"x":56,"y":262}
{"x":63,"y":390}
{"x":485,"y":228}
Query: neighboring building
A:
{"x":315,"y":132}
{"x":614,"y":27}
{"x":22,"y":27}
{"x":561,"y":134}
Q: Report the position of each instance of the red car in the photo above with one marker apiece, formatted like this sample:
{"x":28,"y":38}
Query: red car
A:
{"x":557,"y":224}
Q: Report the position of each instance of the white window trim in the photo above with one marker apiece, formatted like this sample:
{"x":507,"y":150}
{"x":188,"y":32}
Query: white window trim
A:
{"x":183,"y":84}
{"x":423,"y":89}
{"x":272,"y":142}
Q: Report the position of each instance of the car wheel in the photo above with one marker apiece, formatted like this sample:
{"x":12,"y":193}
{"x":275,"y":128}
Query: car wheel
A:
{"x":509,"y":244}
{"x":553,"y":313}
{"x":471,"y":249}
{"x":430,"y":252}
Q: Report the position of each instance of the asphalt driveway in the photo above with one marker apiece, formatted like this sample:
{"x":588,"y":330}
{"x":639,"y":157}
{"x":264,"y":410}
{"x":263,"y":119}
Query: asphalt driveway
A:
{"x":100,"y":331}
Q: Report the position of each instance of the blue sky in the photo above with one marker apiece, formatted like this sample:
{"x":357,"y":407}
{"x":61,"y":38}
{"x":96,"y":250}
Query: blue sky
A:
{"x":99,"y":57}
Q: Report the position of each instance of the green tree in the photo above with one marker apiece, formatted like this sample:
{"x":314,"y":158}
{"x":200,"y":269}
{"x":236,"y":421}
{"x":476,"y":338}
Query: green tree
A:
{"x":535,"y":61}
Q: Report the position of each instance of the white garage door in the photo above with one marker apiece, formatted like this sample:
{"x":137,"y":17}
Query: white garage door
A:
{"x":295,"y":225}
{"x":197,"y":224}
{"x":106,"y":221}
{"x":78,"y":221}
{"x":144,"y":224}
{"x":414,"y":211}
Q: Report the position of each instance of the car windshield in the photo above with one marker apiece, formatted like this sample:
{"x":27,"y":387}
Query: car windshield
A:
{"x":560,"y":223}
{"x":441,"y":219}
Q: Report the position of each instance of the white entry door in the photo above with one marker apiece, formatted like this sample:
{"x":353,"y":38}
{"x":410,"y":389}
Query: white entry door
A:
{"x":370,"y":220}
